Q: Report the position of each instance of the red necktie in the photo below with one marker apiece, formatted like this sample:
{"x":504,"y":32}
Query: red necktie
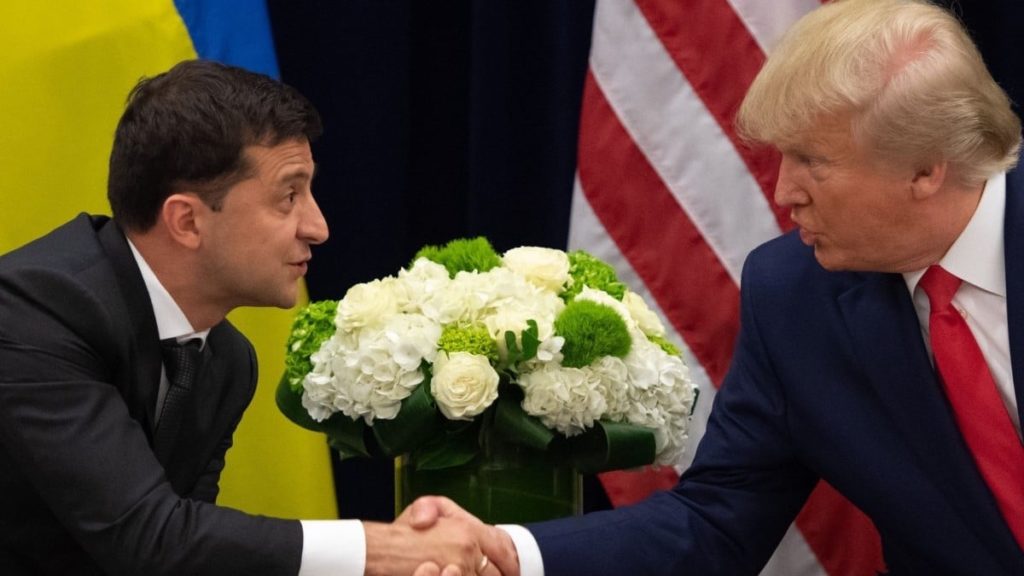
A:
{"x":980,"y":412}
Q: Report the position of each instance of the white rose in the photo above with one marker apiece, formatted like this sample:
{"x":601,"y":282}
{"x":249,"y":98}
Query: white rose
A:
{"x":368,"y":304}
{"x":464,"y":385}
{"x":645,"y":318}
{"x":544,"y":267}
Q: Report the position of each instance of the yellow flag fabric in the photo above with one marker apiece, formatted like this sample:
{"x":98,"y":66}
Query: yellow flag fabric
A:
{"x":65,"y":69}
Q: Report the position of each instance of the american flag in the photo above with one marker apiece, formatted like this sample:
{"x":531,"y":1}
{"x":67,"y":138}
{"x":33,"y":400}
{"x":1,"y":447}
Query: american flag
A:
{"x":667,"y":193}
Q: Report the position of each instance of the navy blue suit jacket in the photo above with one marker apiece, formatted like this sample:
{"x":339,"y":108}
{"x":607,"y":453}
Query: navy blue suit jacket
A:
{"x":830,"y":380}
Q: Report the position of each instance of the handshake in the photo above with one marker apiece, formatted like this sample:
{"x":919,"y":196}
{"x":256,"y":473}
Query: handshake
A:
{"x":435,"y":537}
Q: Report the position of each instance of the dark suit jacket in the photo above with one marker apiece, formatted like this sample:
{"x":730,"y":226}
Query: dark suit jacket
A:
{"x":81,"y":491}
{"x":830,"y":379}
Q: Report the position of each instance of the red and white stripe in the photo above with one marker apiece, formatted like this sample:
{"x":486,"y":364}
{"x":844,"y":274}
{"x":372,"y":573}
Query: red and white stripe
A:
{"x":667,"y":194}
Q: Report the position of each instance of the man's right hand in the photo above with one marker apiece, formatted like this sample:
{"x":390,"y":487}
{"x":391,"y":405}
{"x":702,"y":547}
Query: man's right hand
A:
{"x":434,"y":532}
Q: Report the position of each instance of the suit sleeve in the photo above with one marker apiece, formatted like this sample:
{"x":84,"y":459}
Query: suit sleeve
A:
{"x":731,"y":507}
{"x":68,"y":432}
{"x":208,"y":485}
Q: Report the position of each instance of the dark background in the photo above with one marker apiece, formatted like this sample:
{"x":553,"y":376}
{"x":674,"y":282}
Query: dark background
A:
{"x":454,"y":118}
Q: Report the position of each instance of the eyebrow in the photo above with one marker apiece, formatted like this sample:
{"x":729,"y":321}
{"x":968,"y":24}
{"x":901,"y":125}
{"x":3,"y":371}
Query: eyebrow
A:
{"x":300,"y":174}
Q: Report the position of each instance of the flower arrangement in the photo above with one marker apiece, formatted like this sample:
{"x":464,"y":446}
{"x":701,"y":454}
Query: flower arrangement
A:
{"x":545,"y":348}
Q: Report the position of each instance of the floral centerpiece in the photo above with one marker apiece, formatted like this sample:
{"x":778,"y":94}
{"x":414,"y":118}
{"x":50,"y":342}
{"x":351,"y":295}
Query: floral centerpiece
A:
{"x":471,"y":362}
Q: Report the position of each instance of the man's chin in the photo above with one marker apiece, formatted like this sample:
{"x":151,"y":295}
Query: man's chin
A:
{"x":826,"y":258}
{"x":284,"y":300}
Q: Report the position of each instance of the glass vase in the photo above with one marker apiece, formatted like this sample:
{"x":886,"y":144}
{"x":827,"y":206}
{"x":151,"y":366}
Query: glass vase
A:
{"x":504,"y":484}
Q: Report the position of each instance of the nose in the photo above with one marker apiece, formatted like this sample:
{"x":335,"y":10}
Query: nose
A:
{"x":788,"y":191}
{"x":313,"y":226}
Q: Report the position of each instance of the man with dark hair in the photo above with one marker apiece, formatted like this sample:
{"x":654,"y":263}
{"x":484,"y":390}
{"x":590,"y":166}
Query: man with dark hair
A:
{"x":121,"y":382}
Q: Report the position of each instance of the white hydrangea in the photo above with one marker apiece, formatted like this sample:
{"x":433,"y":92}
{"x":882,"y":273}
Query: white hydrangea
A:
{"x":612,"y":375}
{"x":550,"y":350}
{"x":420,"y":282}
{"x":660,"y":396}
{"x":388,"y":328}
{"x":367,"y":374}
{"x":565,"y":399}
{"x":511,"y":302}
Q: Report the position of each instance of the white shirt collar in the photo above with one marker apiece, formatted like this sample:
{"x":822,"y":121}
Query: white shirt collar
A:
{"x":976,"y":257}
{"x":170,"y":320}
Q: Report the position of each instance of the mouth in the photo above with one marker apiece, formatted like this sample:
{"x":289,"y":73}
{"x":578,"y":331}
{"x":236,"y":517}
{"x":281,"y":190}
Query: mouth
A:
{"x":300,"y":267}
{"x":807,"y":237}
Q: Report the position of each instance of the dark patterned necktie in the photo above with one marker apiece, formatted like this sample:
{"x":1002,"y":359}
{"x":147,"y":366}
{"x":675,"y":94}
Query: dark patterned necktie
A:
{"x":181,"y":363}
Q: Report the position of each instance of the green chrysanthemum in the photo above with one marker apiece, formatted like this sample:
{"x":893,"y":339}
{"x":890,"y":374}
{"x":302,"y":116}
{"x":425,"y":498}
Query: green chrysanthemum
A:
{"x":473,"y":338}
{"x":591,"y":330}
{"x":462,"y":255}
{"x":587,"y":270}
{"x":312,"y":326}
{"x":664,"y":344}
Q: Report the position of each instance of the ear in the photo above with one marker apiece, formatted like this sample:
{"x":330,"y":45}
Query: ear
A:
{"x":927,"y":180}
{"x":179,"y":215}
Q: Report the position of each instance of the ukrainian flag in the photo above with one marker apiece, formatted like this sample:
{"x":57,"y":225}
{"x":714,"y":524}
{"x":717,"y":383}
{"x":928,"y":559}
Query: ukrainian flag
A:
{"x":65,"y":70}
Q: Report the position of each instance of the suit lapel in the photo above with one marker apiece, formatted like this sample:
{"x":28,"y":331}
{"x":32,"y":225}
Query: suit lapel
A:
{"x":1013,"y":235}
{"x":145,"y":340}
{"x":886,"y":335}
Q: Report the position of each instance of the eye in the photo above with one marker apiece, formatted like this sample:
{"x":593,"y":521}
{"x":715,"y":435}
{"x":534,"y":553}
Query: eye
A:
{"x":806,"y":160}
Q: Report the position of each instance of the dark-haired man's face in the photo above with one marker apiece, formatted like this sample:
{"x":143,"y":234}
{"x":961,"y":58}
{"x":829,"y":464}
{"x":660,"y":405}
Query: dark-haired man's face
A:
{"x":257,"y":246}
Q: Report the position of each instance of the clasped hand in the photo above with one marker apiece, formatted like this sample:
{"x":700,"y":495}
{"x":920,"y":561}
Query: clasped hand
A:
{"x":435,"y":537}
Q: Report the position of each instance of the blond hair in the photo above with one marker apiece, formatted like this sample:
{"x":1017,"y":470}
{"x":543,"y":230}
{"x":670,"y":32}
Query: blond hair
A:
{"x":906,"y":74}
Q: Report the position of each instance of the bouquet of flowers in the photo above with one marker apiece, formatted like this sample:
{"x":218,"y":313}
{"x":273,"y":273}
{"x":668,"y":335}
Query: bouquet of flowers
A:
{"x":545,"y":348}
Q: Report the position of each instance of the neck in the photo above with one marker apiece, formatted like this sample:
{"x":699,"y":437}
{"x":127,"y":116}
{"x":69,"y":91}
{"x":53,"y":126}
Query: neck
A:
{"x":174,"y":267}
{"x":945,"y":216}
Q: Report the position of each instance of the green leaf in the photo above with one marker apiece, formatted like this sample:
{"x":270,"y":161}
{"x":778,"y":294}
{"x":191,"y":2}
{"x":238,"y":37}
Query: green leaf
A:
{"x":453,"y":448}
{"x":612,"y":446}
{"x":514,"y":355}
{"x":530,"y":340}
{"x":516,"y":426}
{"x":349,"y":437}
{"x":345,"y":435}
{"x":289,"y":402}
{"x":417,"y":421}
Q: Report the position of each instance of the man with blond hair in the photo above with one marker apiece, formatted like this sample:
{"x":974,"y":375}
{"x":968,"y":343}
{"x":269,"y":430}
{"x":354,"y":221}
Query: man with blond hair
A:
{"x":879,"y":342}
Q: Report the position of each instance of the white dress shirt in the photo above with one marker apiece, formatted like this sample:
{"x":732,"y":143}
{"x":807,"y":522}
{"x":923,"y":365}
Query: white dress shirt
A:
{"x":329,"y":547}
{"x":977,"y":258}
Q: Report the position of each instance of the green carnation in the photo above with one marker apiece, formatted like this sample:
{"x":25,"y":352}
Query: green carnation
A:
{"x":473,"y":338}
{"x":462,"y":255}
{"x":591,"y":330}
{"x":587,"y":270}
{"x":312,"y":326}
{"x":664,"y":344}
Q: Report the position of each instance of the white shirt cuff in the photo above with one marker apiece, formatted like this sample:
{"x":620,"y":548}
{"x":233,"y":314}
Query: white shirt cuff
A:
{"x":530,"y":562}
{"x":333,"y":548}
